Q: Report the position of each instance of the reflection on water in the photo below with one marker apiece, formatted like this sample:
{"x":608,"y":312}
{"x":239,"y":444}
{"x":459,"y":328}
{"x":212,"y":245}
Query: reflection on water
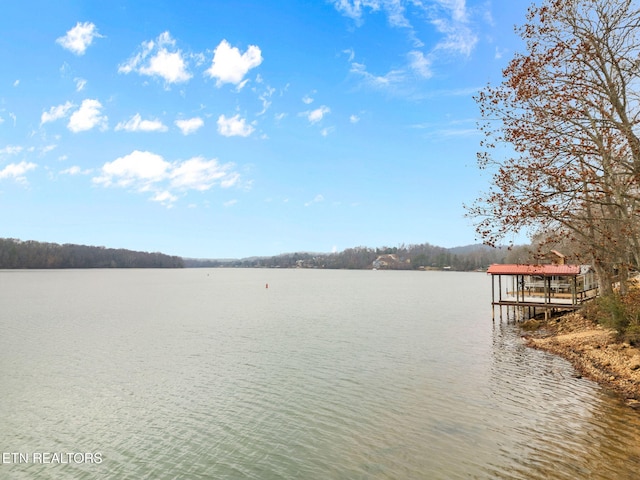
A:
{"x":326,"y":374}
{"x":561,"y":426}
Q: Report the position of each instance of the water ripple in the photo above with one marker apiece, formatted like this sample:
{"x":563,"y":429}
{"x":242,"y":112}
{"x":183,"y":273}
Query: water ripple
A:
{"x":337,"y":375}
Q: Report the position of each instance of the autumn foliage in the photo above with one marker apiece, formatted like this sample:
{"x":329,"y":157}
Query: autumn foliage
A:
{"x":561,"y":135}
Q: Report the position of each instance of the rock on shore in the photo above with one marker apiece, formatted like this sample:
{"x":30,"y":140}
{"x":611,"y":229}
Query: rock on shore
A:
{"x":593,"y":351}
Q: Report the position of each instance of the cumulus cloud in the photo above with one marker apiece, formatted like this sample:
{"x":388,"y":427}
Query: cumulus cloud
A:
{"x":234,"y":126}
{"x":136,"y":124}
{"x":88,"y":116}
{"x":314,"y":116}
{"x":143,"y":171}
{"x":17,"y":171}
{"x":56,"y":113}
{"x":201,"y":174}
{"x":158,"y":58}
{"x":139,"y":170}
{"x":230,"y":66}
{"x":78,"y":39}
{"x":190,"y":125}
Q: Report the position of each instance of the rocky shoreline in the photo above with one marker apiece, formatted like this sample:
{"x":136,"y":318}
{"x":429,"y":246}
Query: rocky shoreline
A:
{"x":593,"y":350}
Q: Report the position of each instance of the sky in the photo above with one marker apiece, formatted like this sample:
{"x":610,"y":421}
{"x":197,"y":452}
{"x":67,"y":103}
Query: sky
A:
{"x":219,"y":129}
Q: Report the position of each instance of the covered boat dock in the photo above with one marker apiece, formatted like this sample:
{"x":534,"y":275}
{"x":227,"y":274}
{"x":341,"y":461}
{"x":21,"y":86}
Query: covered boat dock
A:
{"x":547,"y":287}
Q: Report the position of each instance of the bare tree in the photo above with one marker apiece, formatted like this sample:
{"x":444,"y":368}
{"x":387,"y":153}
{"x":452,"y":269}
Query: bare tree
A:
{"x":568,"y":109}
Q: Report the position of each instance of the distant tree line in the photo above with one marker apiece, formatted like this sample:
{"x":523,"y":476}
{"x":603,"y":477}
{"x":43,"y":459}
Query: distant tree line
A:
{"x":403,"y":257}
{"x":17,"y":254}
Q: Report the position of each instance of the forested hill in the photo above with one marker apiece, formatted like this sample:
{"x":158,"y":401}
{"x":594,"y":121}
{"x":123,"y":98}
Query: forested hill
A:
{"x":31,"y":254}
{"x":404,"y":257}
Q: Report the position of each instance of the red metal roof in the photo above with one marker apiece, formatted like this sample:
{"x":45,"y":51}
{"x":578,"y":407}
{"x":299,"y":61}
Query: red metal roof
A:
{"x":526,"y":269}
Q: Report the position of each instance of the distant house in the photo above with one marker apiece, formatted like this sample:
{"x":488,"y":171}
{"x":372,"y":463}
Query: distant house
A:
{"x":557,"y":258}
{"x":389,"y":260}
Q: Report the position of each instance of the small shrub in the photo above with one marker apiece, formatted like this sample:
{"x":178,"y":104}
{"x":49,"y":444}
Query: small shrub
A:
{"x":611,"y":312}
{"x":619,"y":312}
{"x":632,"y":335}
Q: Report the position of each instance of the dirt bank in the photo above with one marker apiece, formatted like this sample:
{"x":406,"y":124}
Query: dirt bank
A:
{"x":593,"y":351}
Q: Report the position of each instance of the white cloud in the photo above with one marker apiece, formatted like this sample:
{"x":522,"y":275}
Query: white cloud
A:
{"x":138,"y":170}
{"x":350,"y":52}
{"x":143,"y":171}
{"x":458,"y":38}
{"x":456,"y":7}
{"x":314,"y":116}
{"x":391,"y":79}
{"x":165,"y":198}
{"x":200,"y":174}
{"x":16,"y":171}
{"x":136,"y":124}
{"x":158,"y":58}
{"x":230,"y":66}
{"x":326,"y":131}
{"x":230,"y":203}
{"x":11,"y":150}
{"x":354,"y":118}
{"x":420,"y":64}
{"x":190,"y":125}
{"x":56,"y":113}
{"x":264,"y":97}
{"x":47,"y":148}
{"x":74,"y":170}
{"x":234,"y":126}
{"x":16,"y":83}
{"x":170,"y":66}
{"x":87,"y":116}
{"x":500,"y":53}
{"x":317,"y":199}
{"x":307,"y":99}
{"x":80,"y":84}
{"x":79,"y":37}
{"x":449,"y":18}
{"x":452,"y":20}
{"x":354,"y":8}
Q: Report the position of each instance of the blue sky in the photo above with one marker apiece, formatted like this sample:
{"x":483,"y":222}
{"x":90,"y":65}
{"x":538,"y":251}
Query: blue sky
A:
{"x":229,"y":129}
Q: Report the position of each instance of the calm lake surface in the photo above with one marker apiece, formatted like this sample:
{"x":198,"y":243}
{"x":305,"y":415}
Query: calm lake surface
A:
{"x":205,"y":373}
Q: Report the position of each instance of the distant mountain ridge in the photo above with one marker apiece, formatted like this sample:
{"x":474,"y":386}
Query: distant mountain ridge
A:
{"x":30,"y":254}
{"x":404,"y":257}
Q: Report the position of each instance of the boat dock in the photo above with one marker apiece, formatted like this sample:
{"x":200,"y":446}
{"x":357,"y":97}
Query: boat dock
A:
{"x":528,"y":288}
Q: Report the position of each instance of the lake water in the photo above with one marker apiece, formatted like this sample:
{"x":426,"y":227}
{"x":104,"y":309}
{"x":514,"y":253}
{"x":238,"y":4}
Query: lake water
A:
{"x":205,"y":373}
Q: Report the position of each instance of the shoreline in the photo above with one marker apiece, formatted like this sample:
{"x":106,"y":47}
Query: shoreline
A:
{"x":593,"y":351}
